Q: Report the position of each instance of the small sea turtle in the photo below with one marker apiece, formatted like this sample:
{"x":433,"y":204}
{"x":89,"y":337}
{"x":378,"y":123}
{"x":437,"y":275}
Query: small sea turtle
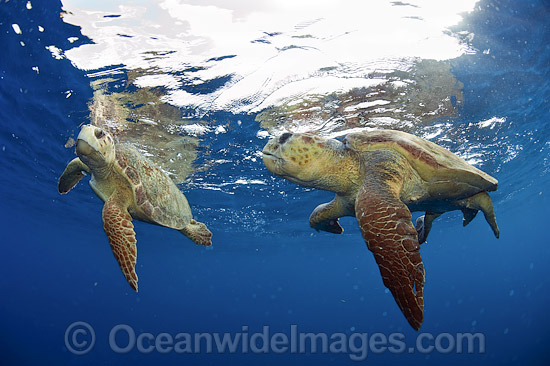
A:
{"x":131,"y":187}
{"x":380,"y":177}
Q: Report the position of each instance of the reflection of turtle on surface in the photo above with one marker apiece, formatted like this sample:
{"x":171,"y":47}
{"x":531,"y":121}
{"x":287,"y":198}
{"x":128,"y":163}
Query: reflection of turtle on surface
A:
{"x":131,"y":187}
{"x":380,"y":177}
{"x":141,"y":118}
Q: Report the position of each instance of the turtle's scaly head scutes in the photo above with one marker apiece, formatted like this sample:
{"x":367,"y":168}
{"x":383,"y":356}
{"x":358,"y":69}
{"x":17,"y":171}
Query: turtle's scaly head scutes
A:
{"x":95,"y":147}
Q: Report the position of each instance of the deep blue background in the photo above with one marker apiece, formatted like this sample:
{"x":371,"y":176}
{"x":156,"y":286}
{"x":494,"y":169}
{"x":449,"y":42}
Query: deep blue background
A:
{"x":266,"y":268}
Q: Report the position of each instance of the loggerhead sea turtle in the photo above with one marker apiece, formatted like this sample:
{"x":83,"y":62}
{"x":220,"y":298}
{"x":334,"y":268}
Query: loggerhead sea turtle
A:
{"x":131,"y":187}
{"x":380,"y":177}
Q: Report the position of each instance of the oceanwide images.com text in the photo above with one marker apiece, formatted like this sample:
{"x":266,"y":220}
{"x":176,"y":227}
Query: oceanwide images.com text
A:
{"x":80,"y":339}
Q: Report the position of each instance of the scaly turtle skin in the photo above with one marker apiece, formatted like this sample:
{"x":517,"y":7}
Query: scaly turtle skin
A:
{"x":131,"y":187}
{"x":380,"y":177}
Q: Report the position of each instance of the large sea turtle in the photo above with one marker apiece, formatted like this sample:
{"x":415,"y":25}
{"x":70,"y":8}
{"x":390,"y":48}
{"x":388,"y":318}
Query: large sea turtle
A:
{"x":131,"y":187}
{"x":380,"y":177}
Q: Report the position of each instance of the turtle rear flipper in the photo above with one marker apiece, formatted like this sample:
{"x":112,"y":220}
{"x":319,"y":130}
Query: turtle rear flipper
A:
{"x":424,"y":225}
{"x":118,"y":226}
{"x":469,"y":215}
{"x":72,"y":174}
{"x":481,"y":201}
{"x":198,"y":232}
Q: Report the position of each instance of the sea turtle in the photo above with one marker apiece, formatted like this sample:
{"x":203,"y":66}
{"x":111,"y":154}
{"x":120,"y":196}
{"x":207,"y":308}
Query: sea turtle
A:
{"x":131,"y":187}
{"x":379,"y":177}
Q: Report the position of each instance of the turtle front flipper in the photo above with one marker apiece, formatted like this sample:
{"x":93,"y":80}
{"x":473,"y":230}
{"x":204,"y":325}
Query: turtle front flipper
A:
{"x":72,"y":174}
{"x":118,"y":226}
{"x":386,"y":226}
{"x":325,"y":216}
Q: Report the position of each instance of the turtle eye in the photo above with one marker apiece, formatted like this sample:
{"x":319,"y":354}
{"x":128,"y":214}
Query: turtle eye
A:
{"x":99,"y":133}
{"x":285,"y":136}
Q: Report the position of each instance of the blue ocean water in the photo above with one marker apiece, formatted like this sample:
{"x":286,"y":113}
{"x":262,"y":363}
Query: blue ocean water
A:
{"x":266,"y":267}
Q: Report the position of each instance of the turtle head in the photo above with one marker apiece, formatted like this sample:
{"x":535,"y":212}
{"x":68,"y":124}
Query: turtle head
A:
{"x":310,"y":160}
{"x":95,"y":147}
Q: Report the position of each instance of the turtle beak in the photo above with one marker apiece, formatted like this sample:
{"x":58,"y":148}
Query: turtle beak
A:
{"x":269,"y":160}
{"x":269,"y":151}
{"x":83,"y":148}
{"x":268,"y":155}
{"x":271,"y":156}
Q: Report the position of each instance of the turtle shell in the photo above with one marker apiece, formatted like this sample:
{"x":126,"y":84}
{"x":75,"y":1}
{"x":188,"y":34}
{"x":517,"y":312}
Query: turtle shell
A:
{"x":156,"y":196}
{"x":446,"y":174}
